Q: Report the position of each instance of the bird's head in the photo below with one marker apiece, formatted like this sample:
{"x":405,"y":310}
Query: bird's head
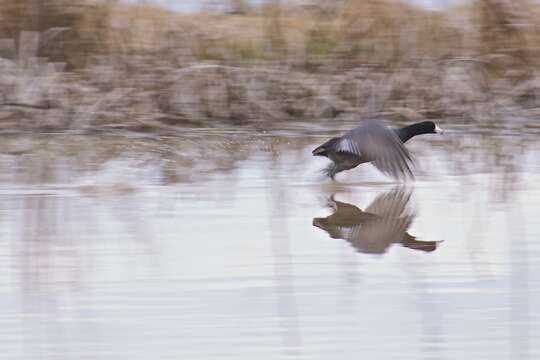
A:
{"x":432,"y":128}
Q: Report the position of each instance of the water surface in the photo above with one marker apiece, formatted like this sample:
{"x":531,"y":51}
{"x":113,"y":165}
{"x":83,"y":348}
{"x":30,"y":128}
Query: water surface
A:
{"x":221,"y":243}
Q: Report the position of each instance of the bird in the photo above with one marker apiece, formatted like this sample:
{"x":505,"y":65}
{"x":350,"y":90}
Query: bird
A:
{"x":384,"y":222}
{"x":374,"y":142}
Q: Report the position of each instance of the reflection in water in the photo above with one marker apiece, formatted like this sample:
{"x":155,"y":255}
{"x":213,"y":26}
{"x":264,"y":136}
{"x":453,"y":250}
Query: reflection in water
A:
{"x":384,"y":222}
{"x":200,"y":245}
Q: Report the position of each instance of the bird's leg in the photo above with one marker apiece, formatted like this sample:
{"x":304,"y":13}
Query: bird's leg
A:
{"x":331,"y":171}
{"x":331,"y":202}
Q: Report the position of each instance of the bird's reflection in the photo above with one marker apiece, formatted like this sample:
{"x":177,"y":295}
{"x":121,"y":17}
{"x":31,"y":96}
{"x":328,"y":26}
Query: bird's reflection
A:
{"x":383,"y":223}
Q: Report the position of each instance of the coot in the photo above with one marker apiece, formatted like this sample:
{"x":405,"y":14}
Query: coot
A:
{"x":374,"y":142}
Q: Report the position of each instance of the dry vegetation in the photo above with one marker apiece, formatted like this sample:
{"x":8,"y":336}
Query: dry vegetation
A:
{"x":68,"y":64}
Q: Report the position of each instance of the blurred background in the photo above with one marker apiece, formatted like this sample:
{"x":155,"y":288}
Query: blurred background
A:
{"x":159,"y":199}
{"x":144,"y":64}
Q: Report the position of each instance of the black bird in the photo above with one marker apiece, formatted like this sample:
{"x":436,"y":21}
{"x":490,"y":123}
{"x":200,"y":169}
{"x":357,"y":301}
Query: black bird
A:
{"x":384,"y":222}
{"x":374,"y":142}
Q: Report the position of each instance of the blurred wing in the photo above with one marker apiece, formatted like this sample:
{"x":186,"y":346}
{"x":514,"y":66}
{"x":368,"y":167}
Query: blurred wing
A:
{"x":394,"y":217}
{"x":347,"y":144}
{"x":391,"y":204}
{"x":381,"y":233}
{"x":376,"y":143}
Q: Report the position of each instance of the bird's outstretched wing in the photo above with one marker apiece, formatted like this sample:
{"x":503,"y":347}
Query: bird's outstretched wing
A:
{"x":393,"y":216}
{"x":380,"y":145}
{"x":392,"y":204}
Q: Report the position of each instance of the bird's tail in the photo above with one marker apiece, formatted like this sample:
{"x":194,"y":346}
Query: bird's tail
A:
{"x":319,"y":151}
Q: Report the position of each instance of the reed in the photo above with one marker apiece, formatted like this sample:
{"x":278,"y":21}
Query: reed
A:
{"x":91,"y":65}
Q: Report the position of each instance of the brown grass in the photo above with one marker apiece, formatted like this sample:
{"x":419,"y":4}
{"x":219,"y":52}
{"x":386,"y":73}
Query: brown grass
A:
{"x":91,"y":65}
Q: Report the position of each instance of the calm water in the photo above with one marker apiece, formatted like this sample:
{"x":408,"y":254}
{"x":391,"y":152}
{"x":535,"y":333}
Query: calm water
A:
{"x":229,"y":244}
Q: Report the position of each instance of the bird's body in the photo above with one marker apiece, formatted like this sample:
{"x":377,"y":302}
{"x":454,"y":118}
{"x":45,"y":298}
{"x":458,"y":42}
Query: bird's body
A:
{"x":374,"y":142}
